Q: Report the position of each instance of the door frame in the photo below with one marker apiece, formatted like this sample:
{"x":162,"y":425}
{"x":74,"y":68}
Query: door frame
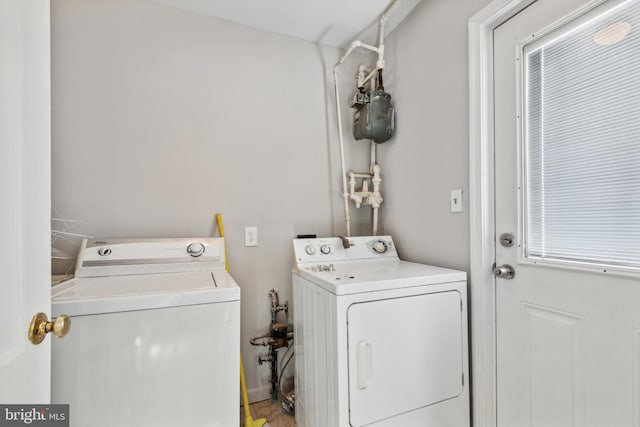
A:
{"x":481,"y":207}
{"x":482,"y":202}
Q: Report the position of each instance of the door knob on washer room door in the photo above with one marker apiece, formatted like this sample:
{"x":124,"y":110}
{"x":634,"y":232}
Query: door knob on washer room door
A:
{"x":504,"y":271}
{"x":40,"y":327}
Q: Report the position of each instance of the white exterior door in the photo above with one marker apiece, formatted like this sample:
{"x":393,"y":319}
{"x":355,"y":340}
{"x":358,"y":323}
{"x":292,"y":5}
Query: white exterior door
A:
{"x":568,"y":329}
{"x":25,"y":197}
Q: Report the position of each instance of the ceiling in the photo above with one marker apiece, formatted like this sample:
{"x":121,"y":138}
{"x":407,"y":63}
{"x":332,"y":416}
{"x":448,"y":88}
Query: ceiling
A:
{"x":331,"y":22}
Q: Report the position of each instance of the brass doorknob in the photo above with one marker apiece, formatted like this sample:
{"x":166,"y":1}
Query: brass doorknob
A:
{"x":40,"y":327}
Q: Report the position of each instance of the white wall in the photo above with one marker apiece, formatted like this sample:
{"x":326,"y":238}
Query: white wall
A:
{"x":428,"y":157}
{"x":161,"y":118}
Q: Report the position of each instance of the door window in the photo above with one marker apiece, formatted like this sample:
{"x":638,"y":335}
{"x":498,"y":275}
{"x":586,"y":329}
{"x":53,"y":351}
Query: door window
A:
{"x":581,"y":133}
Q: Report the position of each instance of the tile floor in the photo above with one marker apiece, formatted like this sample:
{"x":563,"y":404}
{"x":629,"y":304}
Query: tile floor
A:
{"x":276,"y":417}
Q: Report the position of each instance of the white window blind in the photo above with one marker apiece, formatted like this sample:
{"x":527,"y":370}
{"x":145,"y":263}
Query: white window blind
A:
{"x":582,"y":141}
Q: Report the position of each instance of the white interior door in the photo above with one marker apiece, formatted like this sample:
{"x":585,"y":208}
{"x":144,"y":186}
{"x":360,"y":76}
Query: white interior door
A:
{"x":25,"y":194}
{"x":568,"y":323}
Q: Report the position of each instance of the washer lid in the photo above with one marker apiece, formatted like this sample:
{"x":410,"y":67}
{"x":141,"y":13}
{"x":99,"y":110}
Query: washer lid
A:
{"x":96,"y":295}
{"x":352,"y":277}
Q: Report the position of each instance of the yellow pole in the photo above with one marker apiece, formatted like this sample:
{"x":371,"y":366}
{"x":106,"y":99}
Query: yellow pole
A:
{"x":245,"y":397}
{"x":248,"y":420}
{"x":221,"y":231}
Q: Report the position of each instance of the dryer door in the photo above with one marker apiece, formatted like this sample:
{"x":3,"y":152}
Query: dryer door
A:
{"x":404,"y":354}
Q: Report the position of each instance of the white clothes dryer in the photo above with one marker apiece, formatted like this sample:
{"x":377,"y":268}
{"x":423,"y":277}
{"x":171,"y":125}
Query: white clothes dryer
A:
{"x":154,"y":338}
{"x":379,"y":341}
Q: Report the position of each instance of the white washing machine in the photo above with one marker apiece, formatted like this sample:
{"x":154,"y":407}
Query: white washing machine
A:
{"x":155,"y":335}
{"x":378,"y":341}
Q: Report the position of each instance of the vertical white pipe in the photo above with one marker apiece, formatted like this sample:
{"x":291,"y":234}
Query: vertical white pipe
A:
{"x":383,"y":20}
{"x":376,"y":180}
{"x":373,"y":157}
{"x":380,"y":65}
{"x":376,"y":187}
{"x":375,"y":222}
{"x":345,"y":194}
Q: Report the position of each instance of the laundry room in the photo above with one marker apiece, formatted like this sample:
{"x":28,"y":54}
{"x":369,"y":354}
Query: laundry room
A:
{"x":163,"y":117}
{"x":227,"y":133}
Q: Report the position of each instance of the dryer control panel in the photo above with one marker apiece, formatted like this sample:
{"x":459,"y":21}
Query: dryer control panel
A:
{"x":332,"y":249}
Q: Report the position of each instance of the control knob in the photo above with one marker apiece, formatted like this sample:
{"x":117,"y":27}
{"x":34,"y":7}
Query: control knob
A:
{"x":195,"y":249}
{"x":104,"y":251}
{"x":380,"y":246}
{"x":310,"y":249}
{"x":325,"y":249}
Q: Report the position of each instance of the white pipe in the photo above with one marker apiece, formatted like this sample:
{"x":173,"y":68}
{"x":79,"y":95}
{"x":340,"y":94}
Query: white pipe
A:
{"x":376,"y":181}
{"x":352,"y":183}
{"x":384,"y":18}
{"x":354,"y":45}
{"x":375,"y":169}
{"x":371,"y":74}
{"x":379,"y":65}
{"x":345,"y":194}
{"x":360,"y":175}
{"x":369,"y":47}
{"x":376,"y":197}
{"x":375,"y":222}
{"x":372,"y":168}
{"x":373,"y":157}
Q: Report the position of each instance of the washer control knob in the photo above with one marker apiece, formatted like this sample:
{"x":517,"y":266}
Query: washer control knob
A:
{"x":380,"y":246}
{"x":325,"y":249}
{"x":310,"y":249}
{"x":195,"y":249}
{"x":104,"y":251}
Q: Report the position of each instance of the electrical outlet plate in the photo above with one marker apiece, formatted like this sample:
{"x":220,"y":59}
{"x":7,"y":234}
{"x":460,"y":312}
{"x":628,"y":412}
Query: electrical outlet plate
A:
{"x":251,"y":236}
{"x":456,"y":200}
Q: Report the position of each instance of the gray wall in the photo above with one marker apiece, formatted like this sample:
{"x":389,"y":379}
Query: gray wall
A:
{"x":427,"y":75}
{"x":161,"y":118}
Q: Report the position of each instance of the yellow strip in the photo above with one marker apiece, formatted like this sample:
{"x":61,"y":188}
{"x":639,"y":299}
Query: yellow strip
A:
{"x":221,"y":231}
